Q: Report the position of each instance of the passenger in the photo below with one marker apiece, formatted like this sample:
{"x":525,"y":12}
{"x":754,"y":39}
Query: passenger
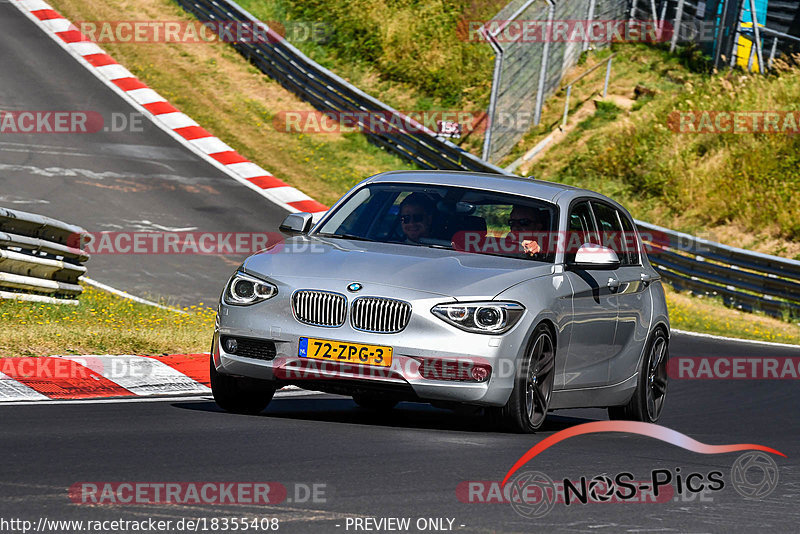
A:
{"x":526,"y":226}
{"x":416,"y":216}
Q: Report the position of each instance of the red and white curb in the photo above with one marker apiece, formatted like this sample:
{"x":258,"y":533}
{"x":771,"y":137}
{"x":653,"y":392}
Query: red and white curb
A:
{"x":152,"y":105}
{"x":107,"y":376}
{"x":102,"y":376}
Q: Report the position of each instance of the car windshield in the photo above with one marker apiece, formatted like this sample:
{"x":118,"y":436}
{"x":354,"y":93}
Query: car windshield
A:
{"x":447,"y":217}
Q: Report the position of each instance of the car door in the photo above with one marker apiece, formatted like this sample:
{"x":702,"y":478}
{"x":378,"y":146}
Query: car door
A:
{"x":594,"y":305}
{"x":632,"y":295}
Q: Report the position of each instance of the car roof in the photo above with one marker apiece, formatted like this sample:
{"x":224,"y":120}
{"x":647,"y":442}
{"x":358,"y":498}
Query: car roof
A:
{"x":529,"y":187}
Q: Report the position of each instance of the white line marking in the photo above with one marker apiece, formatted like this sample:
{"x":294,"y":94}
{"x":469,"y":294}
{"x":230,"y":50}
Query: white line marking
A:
{"x":125,"y":295}
{"x":121,"y":400}
{"x":735,"y":339}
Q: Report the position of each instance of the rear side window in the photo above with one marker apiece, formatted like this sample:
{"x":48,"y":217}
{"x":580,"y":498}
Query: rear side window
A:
{"x":611,"y":234}
{"x":631,"y":242}
{"x":581,"y":229}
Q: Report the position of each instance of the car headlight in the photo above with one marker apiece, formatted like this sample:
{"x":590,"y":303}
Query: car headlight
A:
{"x":243,"y":289}
{"x":481,"y":317}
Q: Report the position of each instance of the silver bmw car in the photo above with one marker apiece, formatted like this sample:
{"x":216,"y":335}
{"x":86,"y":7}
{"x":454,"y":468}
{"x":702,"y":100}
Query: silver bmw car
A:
{"x":458,"y":289}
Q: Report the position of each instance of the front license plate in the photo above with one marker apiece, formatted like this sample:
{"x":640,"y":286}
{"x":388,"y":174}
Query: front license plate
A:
{"x":341,"y":351}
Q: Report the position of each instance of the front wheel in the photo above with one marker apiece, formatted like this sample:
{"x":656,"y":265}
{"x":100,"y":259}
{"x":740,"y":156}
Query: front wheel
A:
{"x":239,"y":394}
{"x":647,"y":401}
{"x":527,"y":407}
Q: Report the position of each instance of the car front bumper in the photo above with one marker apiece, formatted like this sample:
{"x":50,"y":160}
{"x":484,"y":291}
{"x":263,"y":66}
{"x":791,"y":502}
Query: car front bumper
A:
{"x":426,"y":341}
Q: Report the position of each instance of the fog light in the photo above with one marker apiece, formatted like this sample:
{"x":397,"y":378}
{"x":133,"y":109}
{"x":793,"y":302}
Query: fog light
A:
{"x":479,"y":374}
{"x":230,"y":345}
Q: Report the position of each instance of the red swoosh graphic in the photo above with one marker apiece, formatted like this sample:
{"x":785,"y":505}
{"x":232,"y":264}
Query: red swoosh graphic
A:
{"x":633,"y":427}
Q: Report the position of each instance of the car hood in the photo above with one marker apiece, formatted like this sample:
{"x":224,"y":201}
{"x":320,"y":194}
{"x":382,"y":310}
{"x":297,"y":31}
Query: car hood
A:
{"x":437,"y":271}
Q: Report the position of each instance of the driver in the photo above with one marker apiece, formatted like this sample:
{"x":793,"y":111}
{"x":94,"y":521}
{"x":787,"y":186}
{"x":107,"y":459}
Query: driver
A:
{"x":416,"y":216}
{"x":525,"y":226}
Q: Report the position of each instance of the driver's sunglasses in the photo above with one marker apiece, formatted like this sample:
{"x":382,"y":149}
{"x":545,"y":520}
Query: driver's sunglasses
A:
{"x":415,"y":217}
{"x":520,"y":222}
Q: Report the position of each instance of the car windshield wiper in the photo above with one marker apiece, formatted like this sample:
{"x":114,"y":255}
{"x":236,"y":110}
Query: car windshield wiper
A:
{"x":347,"y":236}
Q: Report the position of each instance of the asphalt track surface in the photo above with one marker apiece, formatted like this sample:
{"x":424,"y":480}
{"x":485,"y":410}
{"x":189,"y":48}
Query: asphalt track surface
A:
{"x":407,"y":463}
{"x":115,"y":181}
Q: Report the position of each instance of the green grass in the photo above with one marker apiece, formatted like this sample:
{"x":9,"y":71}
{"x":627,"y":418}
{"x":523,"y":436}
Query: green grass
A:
{"x":102,"y":324}
{"x":710,"y":316}
{"x":397,"y":49}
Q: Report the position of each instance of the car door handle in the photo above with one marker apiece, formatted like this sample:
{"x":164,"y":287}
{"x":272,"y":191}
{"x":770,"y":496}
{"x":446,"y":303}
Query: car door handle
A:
{"x":613,"y":284}
{"x":646,"y":279}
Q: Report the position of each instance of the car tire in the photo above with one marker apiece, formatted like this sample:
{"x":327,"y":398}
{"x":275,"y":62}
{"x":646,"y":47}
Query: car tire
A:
{"x":374,"y":402}
{"x":239,"y":394}
{"x":647,"y":402}
{"x":526,"y":409}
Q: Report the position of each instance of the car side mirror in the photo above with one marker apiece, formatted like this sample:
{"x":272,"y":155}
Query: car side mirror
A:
{"x":595,"y":257}
{"x":296,"y":223}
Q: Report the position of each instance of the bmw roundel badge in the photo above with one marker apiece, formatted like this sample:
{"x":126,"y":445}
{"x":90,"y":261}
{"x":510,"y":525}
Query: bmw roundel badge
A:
{"x":355,"y":286}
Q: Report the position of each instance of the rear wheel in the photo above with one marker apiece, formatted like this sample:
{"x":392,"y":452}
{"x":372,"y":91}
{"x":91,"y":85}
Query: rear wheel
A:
{"x":527,"y":407}
{"x":374,"y":402}
{"x":240,"y":394}
{"x":647,"y":401}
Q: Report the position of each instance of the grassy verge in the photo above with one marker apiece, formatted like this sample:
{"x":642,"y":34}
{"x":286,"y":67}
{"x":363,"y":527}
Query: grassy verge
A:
{"x":107,"y":324}
{"x":710,"y":316}
{"x":102,"y":324}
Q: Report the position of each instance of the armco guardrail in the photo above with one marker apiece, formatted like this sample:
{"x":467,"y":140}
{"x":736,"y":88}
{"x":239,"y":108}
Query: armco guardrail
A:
{"x":744,"y":279}
{"x":328,"y":92}
{"x":37,"y":259}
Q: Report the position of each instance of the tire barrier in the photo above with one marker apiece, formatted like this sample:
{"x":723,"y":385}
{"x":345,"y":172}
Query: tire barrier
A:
{"x":38,"y":259}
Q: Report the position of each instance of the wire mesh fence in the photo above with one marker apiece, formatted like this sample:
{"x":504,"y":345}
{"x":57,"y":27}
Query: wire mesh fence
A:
{"x":537,"y":41}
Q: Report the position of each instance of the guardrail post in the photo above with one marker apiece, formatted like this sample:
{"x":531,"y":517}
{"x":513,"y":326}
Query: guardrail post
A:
{"x":654,"y":12}
{"x":589,"y":20}
{"x":772,"y":54}
{"x":498,"y":68}
{"x":736,"y":33}
{"x":757,"y":36}
{"x":537,"y":117}
{"x":566,"y":107}
{"x":677,"y":26}
{"x":608,"y":77}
